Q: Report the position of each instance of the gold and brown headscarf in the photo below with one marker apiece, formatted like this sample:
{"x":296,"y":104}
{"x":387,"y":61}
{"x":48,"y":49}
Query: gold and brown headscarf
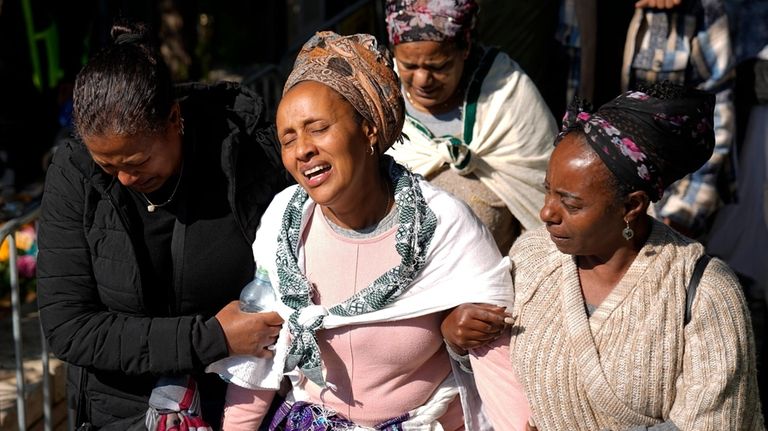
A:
{"x":361,"y":71}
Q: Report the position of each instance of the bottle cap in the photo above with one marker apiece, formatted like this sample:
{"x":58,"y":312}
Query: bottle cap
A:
{"x":262,"y":273}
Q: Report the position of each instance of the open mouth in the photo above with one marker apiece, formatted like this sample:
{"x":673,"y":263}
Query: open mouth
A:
{"x":317,"y":170}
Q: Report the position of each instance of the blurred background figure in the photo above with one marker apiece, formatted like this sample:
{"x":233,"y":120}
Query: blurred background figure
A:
{"x":740,"y":232}
{"x":688,"y":44}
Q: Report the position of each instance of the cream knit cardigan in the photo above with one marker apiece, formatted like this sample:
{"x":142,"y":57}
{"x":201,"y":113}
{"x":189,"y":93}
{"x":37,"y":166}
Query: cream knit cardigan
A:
{"x":633,"y":362}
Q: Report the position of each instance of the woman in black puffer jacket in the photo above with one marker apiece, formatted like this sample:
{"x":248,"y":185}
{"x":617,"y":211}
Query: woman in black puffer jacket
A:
{"x":146,"y":231}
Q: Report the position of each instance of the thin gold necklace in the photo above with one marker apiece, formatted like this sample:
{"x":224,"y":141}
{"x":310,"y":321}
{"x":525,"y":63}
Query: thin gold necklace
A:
{"x":152,"y":207}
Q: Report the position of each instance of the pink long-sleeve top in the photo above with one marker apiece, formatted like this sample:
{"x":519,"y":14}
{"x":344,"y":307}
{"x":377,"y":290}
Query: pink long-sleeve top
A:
{"x":381,"y":370}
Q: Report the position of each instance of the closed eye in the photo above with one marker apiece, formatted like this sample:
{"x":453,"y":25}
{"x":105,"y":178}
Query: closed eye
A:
{"x":287,"y":137}
{"x":287,"y":142}
{"x":569,"y":206}
{"x":318,"y":129}
{"x":137,"y":164}
{"x":438,"y":67}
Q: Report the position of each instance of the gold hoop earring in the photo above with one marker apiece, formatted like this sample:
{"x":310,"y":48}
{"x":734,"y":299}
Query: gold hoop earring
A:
{"x":627,"y":233}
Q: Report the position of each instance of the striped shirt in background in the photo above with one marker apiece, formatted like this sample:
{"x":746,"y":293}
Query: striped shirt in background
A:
{"x":688,"y":45}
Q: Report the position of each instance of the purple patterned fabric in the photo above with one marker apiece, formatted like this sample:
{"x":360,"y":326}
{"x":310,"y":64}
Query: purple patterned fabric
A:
{"x":434,"y":20}
{"x":647,"y":142}
{"x":303,"y":416}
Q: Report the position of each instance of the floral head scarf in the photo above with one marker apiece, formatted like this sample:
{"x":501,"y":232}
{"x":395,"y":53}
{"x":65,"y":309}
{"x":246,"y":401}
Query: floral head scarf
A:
{"x":434,"y":20}
{"x":647,"y":142}
{"x":361,"y":71}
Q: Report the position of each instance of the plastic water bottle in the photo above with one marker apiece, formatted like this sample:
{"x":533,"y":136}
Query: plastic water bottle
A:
{"x":257,"y":295}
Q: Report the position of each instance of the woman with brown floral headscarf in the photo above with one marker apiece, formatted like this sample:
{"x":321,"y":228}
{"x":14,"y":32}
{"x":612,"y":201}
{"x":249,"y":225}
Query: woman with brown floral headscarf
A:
{"x":365,"y":257}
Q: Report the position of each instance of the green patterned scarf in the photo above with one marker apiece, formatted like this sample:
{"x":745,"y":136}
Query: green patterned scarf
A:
{"x":416,"y":227}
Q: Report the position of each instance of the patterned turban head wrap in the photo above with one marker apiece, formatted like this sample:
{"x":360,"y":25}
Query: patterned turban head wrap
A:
{"x":647,"y":142}
{"x":433,"y":20}
{"x":361,"y":71}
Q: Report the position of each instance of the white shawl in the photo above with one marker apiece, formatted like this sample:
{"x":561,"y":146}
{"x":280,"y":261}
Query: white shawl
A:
{"x":509,"y":131}
{"x":463,"y":266}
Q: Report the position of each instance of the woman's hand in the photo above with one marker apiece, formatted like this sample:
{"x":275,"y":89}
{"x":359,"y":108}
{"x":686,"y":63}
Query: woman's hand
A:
{"x":657,"y":4}
{"x":473,"y":325}
{"x":249,"y":333}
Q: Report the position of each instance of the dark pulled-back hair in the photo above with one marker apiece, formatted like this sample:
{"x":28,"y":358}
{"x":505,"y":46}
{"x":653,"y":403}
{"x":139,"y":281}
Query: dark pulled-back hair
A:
{"x":126,"y":88}
{"x":665,"y":90}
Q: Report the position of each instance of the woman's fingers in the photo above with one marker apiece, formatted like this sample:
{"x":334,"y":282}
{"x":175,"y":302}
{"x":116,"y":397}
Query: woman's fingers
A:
{"x":272,"y":319}
{"x":267,"y":334}
{"x":494,"y":320}
{"x":473,"y":325}
{"x":657,"y":4}
{"x":249,"y":333}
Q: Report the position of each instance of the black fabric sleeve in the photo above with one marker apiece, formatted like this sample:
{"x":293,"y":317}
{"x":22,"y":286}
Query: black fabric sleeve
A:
{"x":78,"y":326}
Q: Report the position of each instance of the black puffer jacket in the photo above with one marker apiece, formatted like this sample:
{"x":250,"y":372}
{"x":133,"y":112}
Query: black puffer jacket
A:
{"x":93,"y":307}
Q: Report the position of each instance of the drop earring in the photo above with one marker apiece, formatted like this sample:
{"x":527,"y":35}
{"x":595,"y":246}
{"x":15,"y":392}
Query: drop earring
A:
{"x":181,"y":127}
{"x":373,"y":150}
{"x":627,"y":233}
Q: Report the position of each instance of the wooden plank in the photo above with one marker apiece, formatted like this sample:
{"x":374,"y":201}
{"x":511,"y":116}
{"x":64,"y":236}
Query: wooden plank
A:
{"x":59,"y":418}
{"x":33,"y":397}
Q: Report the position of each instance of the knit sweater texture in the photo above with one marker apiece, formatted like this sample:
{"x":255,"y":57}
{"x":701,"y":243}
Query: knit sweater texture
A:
{"x":634,"y":361}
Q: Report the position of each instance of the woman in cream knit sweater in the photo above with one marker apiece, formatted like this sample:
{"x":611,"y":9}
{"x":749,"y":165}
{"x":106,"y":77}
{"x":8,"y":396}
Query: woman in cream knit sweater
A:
{"x":602,"y":340}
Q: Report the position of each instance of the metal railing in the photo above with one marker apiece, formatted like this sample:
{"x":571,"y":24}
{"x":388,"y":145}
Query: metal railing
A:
{"x":7,"y":230}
